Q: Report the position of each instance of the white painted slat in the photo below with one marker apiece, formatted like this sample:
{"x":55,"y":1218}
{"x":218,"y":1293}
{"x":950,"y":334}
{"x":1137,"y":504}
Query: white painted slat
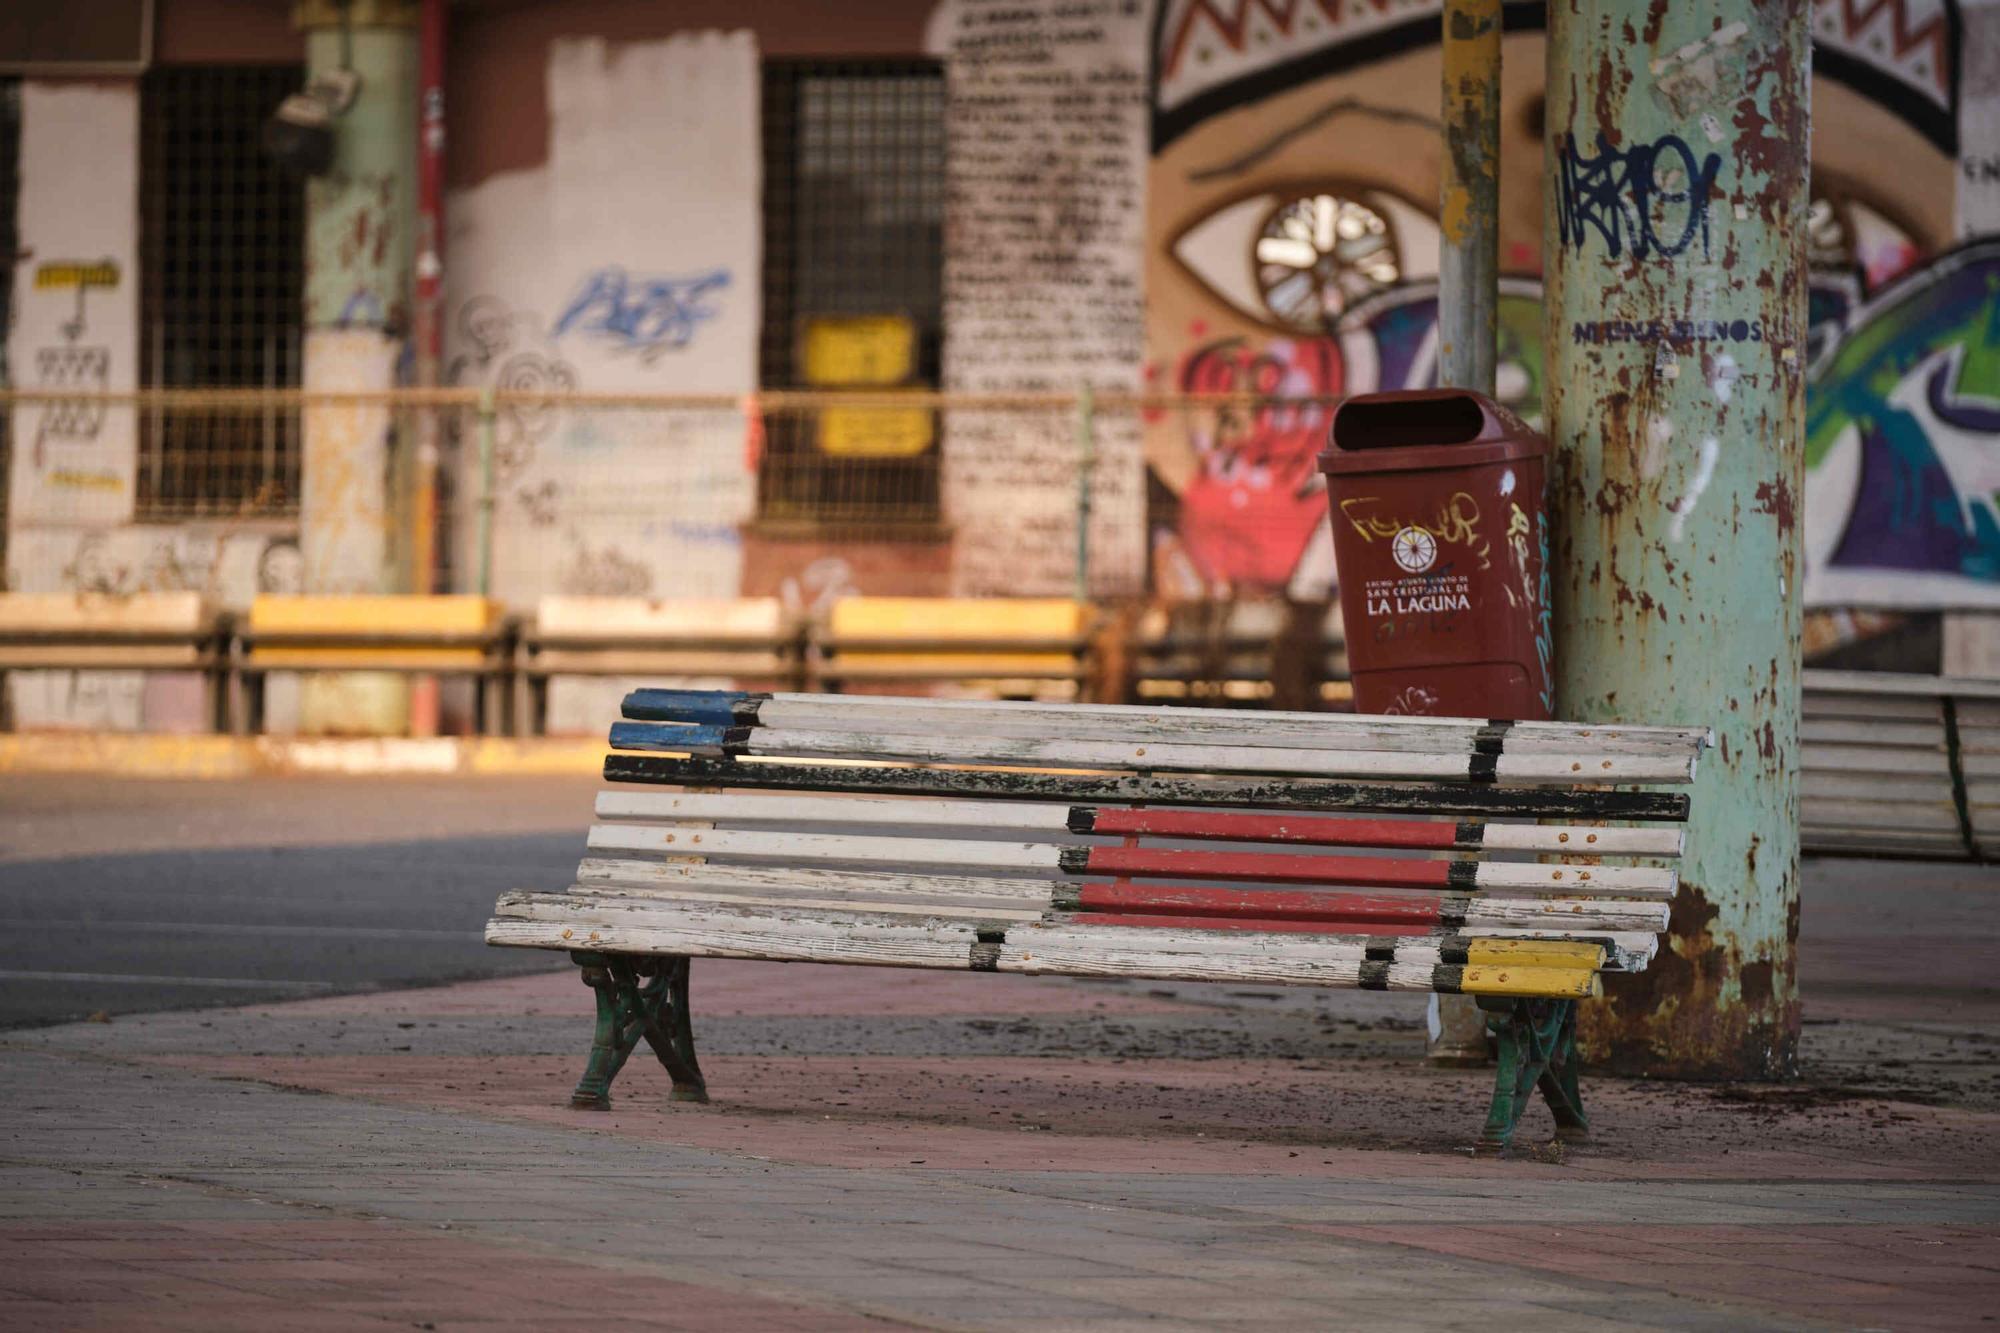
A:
{"x":1194,"y":942}
{"x":1570,"y":914}
{"x":1908,"y":790}
{"x":829,"y":848}
{"x":1626,"y":950}
{"x":592,"y":920}
{"x":1870,"y":708}
{"x":554,"y":921}
{"x":979,"y":909}
{"x":1617,"y":881}
{"x":600,"y":874}
{"x":1893,"y":683}
{"x":1174,"y":756}
{"x":1582,"y":841}
{"x":1874,"y":759}
{"x":1848,"y":731}
{"x":959,"y":854}
{"x":1061,"y":958}
{"x":639,"y":878}
{"x":786,"y":808}
{"x":1139,"y":724}
{"x":1026,"y":817}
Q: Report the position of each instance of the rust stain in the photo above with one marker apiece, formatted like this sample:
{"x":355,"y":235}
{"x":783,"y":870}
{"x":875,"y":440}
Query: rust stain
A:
{"x":1775,"y":498}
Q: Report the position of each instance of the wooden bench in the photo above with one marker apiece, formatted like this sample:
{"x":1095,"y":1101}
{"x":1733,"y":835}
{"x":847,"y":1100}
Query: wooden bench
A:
{"x":1186,"y":844}
{"x":411,"y":635}
{"x":1900,"y":765}
{"x":1268,"y":652}
{"x":751,"y":642}
{"x":155,"y":631}
{"x":995,"y":647}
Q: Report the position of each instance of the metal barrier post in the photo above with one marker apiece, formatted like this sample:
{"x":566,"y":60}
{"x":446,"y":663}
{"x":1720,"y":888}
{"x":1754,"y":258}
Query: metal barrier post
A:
{"x":483,"y":531}
{"x":1468,"y":303}
{"x":1086,"y":467}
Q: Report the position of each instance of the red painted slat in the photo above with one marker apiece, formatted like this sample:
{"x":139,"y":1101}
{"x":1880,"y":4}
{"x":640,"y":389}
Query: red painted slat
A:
{"x":1274,"y":927}
{"x":1315,"y":830}
{"x":1375,"y":872}
{"x":1273,"y":904}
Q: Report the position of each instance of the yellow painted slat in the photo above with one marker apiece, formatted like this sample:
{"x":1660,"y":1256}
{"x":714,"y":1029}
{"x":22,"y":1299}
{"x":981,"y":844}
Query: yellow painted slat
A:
{"x":313,"y":658}
{"x":1535,"y":953}
{"x":958,"y":617}
{"x":1555,"y":982}
{"x":759,"y":618}
{"x":139,"y":613}
{"x":930,"y":620}
{"x":335,"y":616}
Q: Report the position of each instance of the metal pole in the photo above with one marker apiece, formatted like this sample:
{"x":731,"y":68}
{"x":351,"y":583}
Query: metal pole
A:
{"x":1469,"y":211}
{"x":1086,"y":465}
{"x":1675,"y":339}
{"x":483,"y":535}
{"x":1468,"y":297}
{"x":429,"y":340}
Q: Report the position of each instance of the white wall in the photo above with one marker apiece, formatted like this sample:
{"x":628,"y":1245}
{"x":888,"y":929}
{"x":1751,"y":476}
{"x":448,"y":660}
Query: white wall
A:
{"x":75,"y":466}
{"x":627,"y":263}
{"x":1045,"y":230}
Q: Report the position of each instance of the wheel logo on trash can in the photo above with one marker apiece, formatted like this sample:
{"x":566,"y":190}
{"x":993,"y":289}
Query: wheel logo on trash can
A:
{"x":1415,"y":550}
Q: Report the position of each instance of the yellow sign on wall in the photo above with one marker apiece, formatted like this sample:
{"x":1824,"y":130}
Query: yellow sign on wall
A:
{"x":866,"y":352}
{"x":859,"y":351}
{"x":874,"y":432}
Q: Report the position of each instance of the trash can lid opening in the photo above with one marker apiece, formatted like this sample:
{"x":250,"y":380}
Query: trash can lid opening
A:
{"x":1390,"y":423}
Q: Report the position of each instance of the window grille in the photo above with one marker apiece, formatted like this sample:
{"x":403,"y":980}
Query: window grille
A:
{"x":222,"y":249}
{"x":853,"y":249}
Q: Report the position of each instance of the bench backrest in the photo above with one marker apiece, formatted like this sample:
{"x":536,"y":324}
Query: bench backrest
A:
{"x":650,"y":621}
{"x":78,"y":630}
{"x":387,"y":631}
{"x":953,"y":639}
{"x":861,"y":828}
{"x":1899,"y":763}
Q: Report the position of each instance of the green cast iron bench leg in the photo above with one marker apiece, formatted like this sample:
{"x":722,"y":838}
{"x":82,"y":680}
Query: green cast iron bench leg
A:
{"x":637,"y":996}
{"x":1537,"y":1041}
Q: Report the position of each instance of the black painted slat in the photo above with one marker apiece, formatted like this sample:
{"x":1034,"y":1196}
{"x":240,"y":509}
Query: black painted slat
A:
{"x":1276,"y":794}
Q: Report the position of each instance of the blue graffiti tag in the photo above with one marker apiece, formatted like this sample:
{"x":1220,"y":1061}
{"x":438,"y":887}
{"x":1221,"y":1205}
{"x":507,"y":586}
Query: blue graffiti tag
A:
{"x":649,"y":316}
{"x":1627,"y":195}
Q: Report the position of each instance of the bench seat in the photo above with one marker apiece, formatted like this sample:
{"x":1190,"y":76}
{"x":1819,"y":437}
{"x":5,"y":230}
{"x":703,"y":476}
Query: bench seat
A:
{"x":1094,"y":841}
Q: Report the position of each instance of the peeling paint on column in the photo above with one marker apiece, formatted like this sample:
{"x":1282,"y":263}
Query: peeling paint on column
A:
{"x":1675,"y":208}
{"x":359,"y":222}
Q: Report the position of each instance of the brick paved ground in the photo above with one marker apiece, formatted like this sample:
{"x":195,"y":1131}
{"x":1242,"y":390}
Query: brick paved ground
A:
{"x":936,"y":1151}
{"x":956,"y":1152}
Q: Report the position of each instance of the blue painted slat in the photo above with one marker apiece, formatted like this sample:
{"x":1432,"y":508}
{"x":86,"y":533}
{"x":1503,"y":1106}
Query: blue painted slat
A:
{"x":682,"y":740}
{"x":715,"y":707}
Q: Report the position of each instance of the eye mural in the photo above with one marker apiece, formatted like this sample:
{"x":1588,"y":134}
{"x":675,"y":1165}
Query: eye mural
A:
{"x":1292,"y":255}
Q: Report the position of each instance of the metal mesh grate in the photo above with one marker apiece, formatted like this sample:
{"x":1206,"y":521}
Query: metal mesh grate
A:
{"x":222,"y":249}
{"x":853,"y":227}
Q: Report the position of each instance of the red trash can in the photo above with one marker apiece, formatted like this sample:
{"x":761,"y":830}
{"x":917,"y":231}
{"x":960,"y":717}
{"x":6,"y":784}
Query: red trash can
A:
{"x":1441,"y":543}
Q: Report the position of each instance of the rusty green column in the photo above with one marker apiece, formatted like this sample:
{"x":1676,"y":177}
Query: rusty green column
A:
{"x":1675,"y":175}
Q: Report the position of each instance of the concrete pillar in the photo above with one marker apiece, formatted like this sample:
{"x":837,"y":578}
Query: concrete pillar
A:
{"x":1676,"y":164}
{"x":360,"y":227}
{"x":1468,"y":305}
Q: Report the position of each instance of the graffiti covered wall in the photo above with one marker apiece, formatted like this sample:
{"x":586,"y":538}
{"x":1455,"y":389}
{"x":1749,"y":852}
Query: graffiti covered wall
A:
{"x":1044,"y":233}
{"x":1292,"y":251}
{"x":76,"y":308}
{"x":626,"y":263}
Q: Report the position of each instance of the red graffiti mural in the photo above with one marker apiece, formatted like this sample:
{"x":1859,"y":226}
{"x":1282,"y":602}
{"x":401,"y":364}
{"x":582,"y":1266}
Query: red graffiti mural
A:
{"x":1257,"y":495}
